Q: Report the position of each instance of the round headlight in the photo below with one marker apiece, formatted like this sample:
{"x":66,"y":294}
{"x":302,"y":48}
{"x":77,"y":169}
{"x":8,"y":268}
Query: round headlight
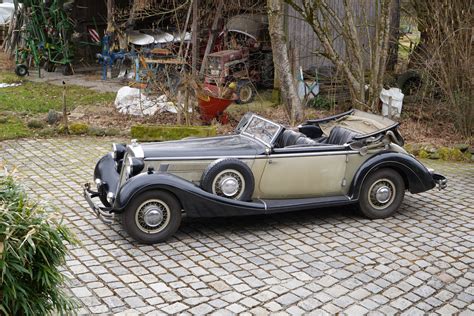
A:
{"x":118,"y":151}
{"x":134,"y":166}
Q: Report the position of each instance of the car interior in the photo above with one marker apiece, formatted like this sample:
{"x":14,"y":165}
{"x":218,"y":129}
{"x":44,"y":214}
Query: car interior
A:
{"x":312,"y":135}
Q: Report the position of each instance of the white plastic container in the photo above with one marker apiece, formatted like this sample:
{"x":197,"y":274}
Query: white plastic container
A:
{"x":392,"y":102}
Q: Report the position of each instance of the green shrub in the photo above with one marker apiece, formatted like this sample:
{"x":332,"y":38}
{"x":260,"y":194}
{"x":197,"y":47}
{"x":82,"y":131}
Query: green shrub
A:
{"x":96,"y":131}
{"x":32,"y":249}
{"x":112,"y":132}
{"x":53,"y":117}
{"x":321,"y":103}
{"x":35,"y":124}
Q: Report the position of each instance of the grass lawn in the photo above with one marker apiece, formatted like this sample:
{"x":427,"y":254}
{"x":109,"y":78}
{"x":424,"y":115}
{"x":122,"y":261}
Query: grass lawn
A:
{"x":35,"y":99}
{"x":13,"y":127}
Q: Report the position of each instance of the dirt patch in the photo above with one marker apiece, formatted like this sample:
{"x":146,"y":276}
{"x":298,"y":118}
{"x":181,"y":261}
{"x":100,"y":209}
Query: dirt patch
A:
{"x":430,"y":123}
{"x":6,"y":64}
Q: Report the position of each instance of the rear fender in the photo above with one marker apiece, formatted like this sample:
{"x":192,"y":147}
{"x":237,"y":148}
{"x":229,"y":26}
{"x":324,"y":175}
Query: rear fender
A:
{"x":416,"y":176}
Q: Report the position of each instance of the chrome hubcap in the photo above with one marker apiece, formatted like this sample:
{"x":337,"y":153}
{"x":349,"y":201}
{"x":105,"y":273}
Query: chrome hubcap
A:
{"x":229,"y":186}
{"x":382,"y":194}
{"x":229,"y":183}
{"x":152,"y":216}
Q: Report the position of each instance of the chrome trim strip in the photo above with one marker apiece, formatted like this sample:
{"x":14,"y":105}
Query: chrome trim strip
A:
{"x":198,"y":158}
{"x":309,"y":154}
{"x":264,"y":204}
{"x":263,"y":156}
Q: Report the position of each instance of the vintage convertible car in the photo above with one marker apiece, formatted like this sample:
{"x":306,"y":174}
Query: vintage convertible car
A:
{"x":264,"y":167}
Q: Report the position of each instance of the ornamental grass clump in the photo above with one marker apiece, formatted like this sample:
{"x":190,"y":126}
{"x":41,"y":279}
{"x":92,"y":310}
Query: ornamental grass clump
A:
{"x":32,"y":249}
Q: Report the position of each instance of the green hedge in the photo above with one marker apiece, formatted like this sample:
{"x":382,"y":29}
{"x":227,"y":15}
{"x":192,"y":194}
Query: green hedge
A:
{"x":32,"y":249}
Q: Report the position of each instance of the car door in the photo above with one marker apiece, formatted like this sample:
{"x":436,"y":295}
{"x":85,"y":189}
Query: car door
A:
{"x":299,"y":175}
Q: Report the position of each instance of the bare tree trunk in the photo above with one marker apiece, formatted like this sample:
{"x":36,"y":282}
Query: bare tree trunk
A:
{"x":281,"y":60}
{"x":394,"y":35}
{"x":380,"y":49}
{"x":330,"y":22}
{"x":110,"y":14}
{"x":194,"y":38}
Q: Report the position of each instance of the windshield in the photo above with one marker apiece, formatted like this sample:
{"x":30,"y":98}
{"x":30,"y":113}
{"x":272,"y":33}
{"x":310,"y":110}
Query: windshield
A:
{"x":262,"y":129}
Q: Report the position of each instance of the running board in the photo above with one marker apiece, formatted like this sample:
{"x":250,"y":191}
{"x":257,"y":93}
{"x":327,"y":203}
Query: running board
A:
{"x":276,"y":206}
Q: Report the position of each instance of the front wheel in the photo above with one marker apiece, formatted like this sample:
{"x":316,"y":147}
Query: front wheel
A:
{"x":21,"y":70}
{"x":381,"y":194}
{"x":152,"y":217}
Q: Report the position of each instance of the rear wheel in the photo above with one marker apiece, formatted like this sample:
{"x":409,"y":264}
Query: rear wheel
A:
{"x":381,"y":194}
{"x":152,"y":217}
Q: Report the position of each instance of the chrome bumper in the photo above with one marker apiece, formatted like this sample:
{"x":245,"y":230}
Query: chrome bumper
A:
{"x":103,"y":213}
{"x":440,"y":180}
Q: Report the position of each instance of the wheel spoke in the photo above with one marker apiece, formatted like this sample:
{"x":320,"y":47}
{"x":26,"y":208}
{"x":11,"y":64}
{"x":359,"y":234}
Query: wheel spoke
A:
{"x":152,"y":216}
{"x":381,"y":194}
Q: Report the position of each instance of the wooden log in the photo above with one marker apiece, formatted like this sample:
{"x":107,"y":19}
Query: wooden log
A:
{"x":212,"y":36}
{"x":194,"y":38}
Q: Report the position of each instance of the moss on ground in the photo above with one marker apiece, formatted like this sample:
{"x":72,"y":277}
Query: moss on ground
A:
{"x":78,"y":128}
{"x":170,"y":132}
{"x":456,"y":153}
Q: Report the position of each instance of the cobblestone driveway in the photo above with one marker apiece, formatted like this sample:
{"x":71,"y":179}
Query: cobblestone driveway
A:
{"x":329,"y":260}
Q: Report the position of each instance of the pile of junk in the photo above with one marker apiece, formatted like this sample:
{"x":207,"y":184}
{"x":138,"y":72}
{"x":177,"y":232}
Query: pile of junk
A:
{"x":236,"y":61}
{"x":160,"y":65}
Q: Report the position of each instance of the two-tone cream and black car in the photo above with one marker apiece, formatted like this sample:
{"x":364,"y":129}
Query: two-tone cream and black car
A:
{"x":351,"y":158}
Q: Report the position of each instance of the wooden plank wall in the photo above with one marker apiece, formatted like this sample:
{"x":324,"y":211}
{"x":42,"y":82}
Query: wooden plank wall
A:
{"x":307,"y":44}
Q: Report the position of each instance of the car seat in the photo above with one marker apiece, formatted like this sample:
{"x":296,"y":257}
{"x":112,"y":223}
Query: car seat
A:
{"x":340,"y":136}
{"x":291,"y":138}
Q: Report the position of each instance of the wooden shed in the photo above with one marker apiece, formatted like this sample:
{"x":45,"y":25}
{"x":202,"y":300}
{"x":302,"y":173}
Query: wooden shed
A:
{"x":307,"y":45}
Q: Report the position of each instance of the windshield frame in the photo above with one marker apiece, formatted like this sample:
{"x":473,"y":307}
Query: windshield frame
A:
{"x":243,"y":130}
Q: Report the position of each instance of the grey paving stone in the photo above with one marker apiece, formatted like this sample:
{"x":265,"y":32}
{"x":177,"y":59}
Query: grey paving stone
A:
{"x":202,"y":309}
{"x":313,"y":262}
{"x":134,"y":302}
{"x":287,"y":299}
{"x":424,"y":291}
{"x":356,"y":310}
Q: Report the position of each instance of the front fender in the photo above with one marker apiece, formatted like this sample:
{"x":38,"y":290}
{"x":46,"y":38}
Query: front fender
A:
{"x":106,"y":171}
{"x":416,"y":176}
{"x":194,"y":200}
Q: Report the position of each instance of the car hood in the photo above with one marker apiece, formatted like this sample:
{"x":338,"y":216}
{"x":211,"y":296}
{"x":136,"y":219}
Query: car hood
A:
{"x":221,"y":146}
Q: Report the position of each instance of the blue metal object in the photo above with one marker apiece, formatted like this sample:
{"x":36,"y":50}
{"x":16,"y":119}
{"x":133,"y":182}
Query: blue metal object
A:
{"x":107,"y":58}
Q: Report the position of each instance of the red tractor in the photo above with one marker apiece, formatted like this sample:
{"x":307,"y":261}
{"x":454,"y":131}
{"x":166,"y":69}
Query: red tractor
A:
{"x":229,"y":66}
{"x":247,"y":61}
